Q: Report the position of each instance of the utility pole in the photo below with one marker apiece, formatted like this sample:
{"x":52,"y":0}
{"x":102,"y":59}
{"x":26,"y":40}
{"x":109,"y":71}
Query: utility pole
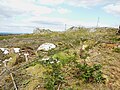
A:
{"x":65,"y":26}
{"x":98,"y":21}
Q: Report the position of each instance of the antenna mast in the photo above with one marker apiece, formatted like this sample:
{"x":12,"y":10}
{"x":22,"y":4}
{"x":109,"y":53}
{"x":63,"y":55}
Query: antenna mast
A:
{"x":98,"y":21}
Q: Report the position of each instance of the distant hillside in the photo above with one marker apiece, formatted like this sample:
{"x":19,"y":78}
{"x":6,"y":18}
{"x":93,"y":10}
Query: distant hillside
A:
{"x":6,"y":33}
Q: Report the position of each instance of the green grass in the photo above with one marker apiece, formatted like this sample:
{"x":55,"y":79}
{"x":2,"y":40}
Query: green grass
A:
{"x":5,"y":37}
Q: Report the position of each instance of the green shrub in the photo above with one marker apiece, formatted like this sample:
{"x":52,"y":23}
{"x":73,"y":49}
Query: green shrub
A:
{"x":54,"y":77}
{"x":65,"y":57}
{"x":115,"y":39}
{"x":117,"y":50}
{"x":89,"y":73}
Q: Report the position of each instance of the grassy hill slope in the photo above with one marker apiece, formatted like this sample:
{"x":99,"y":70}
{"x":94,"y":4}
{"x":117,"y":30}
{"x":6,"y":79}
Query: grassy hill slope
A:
{"x":100,"y":60}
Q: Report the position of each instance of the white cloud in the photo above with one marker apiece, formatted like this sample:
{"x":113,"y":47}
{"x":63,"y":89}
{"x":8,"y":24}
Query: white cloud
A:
{"x":24,"y":15}
{"x":25,"y":6}
{"x":51,"y":2}
{"x":113,"y":8}
{"x":63,"y":10}
{"x":77,"y":3}
{"x":84,"y":3}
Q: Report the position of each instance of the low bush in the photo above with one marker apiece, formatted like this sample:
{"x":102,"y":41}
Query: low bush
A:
{"x":65,"y":57}
{"x":116,"y":50}
{"x":54,"y":77}
{"x":90,"y":73}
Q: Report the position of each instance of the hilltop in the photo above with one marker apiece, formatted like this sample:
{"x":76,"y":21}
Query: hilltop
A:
{"x":83,"y":59}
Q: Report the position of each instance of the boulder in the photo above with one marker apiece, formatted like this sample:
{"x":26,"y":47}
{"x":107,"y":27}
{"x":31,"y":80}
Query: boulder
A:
{"x":4,"y":50}
{"x":92,"y":30}
{"x":46,"y":47}
{"x":16,"y":50}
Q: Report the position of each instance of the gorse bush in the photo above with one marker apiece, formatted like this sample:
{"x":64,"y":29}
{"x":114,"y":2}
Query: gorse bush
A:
{"x":65,"y":57}
{"x":89,"y":73}
{"x":115,"y":39}
{"x":54,"y":77}
{"x":56,"y":74}
{"x":116,"y":50}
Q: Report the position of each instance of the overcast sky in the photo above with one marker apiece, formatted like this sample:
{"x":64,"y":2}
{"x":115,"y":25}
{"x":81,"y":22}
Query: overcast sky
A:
{"x":21,"y":16}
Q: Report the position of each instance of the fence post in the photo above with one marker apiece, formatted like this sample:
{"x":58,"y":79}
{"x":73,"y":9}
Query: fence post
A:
{"x":15,"y":86}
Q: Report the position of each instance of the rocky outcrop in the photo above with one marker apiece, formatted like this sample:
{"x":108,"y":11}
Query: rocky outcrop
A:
{"x":41,"y":31}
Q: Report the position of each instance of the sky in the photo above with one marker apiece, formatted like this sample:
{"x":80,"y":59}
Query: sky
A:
{"x":23,"y":16}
